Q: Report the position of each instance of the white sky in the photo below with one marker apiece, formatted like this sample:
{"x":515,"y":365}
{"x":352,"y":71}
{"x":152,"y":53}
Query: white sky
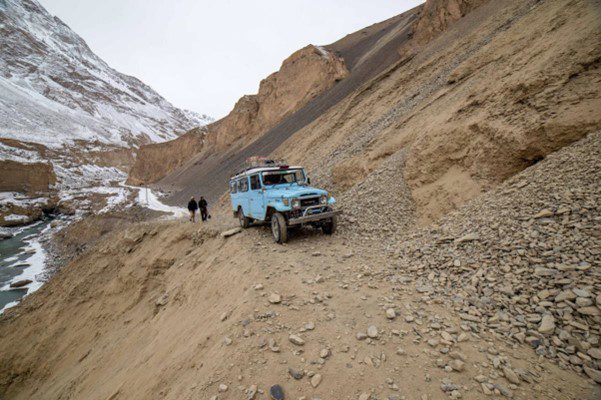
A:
{"x":203,"y":55}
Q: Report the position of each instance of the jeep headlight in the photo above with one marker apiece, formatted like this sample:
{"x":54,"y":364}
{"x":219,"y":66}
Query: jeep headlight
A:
{"x":285,"y":201}
{"x":296,"y":203}
{"x":323,"y":199}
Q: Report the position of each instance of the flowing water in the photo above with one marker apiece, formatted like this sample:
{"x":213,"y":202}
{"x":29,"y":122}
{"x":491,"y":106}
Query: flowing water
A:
{"x":21,"y":257}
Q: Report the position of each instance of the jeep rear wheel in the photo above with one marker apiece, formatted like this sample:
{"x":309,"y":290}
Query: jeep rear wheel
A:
{"x":330,"y":226}
{"x":279,"y":230}
{"x":244,"y":221}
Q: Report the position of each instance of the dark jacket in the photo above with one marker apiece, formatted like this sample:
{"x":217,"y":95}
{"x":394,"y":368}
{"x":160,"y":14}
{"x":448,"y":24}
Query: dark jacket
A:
{"x":202,"y":203}
{"x":192,"y":206}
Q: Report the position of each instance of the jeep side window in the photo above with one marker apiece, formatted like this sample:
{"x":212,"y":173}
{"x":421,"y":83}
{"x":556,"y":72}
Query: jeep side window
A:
{"x":243,"y":185}
{"x":233,"y":187}
{"x":255,"y":182}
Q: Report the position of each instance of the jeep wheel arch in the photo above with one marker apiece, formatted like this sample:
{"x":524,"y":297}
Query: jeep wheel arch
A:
{"x":269,"y":212}
{"x":244,"y":220}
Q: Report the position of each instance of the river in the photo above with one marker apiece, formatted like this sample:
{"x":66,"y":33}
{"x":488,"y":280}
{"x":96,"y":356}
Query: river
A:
{"x":21,"y":258}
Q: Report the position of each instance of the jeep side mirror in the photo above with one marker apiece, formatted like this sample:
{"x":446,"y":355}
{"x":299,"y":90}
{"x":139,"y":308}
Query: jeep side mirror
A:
{"x":308,"y":181}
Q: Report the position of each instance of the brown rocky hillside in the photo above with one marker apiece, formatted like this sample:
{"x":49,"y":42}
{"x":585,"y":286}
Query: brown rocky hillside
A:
{"x":156,"y":159}
{"x":302,"y":76}
{"x":27,"y":178}
{"x":501,"y":87}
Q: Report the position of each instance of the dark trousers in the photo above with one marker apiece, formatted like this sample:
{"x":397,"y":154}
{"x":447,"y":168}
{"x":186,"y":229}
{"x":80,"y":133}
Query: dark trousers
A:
{"x":203,"y":214}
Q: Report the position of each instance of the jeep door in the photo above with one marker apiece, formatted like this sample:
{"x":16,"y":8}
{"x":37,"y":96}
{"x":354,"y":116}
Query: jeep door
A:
{"x":256,"y":198}
{"x":243,"y":195}
{"x":234,"y":195}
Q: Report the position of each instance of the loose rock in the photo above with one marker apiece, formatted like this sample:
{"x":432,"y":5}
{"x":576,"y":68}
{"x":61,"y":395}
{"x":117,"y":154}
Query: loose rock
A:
{"x":297,"y":340}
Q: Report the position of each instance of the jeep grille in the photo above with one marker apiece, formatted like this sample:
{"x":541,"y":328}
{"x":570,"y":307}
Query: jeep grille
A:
{"x":313,"y":201}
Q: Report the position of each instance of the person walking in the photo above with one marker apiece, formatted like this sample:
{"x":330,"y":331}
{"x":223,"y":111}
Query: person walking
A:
{"x":192,"y":207}
{"x":203,"y":206}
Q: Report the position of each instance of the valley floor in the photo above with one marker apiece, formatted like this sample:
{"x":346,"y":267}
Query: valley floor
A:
{"x":500,"y":298}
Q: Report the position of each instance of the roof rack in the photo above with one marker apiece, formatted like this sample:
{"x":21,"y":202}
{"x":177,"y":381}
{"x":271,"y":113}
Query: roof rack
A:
{"x":259,"y":162}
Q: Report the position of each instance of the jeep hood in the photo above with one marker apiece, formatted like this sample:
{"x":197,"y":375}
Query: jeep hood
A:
{"x":290,"y":191}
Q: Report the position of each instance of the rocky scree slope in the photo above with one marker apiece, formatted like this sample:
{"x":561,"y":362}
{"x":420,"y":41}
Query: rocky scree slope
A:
{"x":524,"y":260}
{"x":448,"y":311}
{"x":54,"y":90}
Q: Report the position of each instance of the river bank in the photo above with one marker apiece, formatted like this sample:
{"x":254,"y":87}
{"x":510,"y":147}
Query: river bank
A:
{"x":36,"y":252}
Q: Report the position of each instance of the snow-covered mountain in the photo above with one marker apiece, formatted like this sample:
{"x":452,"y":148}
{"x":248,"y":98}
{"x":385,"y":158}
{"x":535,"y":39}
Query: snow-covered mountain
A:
{"x":54,"y":90}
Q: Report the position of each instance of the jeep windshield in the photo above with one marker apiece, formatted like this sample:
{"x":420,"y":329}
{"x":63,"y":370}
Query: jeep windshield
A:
{"x":283,"y":177}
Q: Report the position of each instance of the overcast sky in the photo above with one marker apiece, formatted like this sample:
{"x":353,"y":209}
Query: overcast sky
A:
{"x":203,"y":55}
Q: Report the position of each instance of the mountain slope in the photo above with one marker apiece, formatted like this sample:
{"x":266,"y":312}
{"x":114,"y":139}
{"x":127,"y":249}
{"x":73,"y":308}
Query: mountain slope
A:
{"x":369,"y":51}
{"x":55,"y":90}
{"x":302,"y":77}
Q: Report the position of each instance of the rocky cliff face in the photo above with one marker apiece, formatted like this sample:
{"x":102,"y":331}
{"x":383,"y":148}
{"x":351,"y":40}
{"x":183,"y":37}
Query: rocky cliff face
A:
{"x":435,"y":17}
{"x":492,"y":95}
{"x":302,"y":76}
{"x":54,"y":90}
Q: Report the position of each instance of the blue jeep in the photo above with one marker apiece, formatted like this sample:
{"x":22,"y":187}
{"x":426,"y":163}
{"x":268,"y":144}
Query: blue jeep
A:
{"x":280,"y":195}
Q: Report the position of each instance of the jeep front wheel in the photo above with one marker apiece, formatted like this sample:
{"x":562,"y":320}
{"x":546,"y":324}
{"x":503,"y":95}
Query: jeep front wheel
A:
{"x":330,"y":226}
{"x":279,"y":229}
{"x":244,"y":221}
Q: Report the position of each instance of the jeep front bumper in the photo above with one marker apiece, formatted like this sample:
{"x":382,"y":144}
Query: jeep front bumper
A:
{"x":313,"y":217}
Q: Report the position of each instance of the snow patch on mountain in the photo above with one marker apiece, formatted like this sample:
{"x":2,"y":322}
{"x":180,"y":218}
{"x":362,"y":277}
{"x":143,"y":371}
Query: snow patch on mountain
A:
{"x":55,"y":91}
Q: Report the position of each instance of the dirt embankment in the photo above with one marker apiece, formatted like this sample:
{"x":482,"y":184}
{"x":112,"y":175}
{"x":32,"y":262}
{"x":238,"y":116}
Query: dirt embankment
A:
{"x":302,"y":76}
{"x":153,"y":161}
{"x":29,"y":178}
